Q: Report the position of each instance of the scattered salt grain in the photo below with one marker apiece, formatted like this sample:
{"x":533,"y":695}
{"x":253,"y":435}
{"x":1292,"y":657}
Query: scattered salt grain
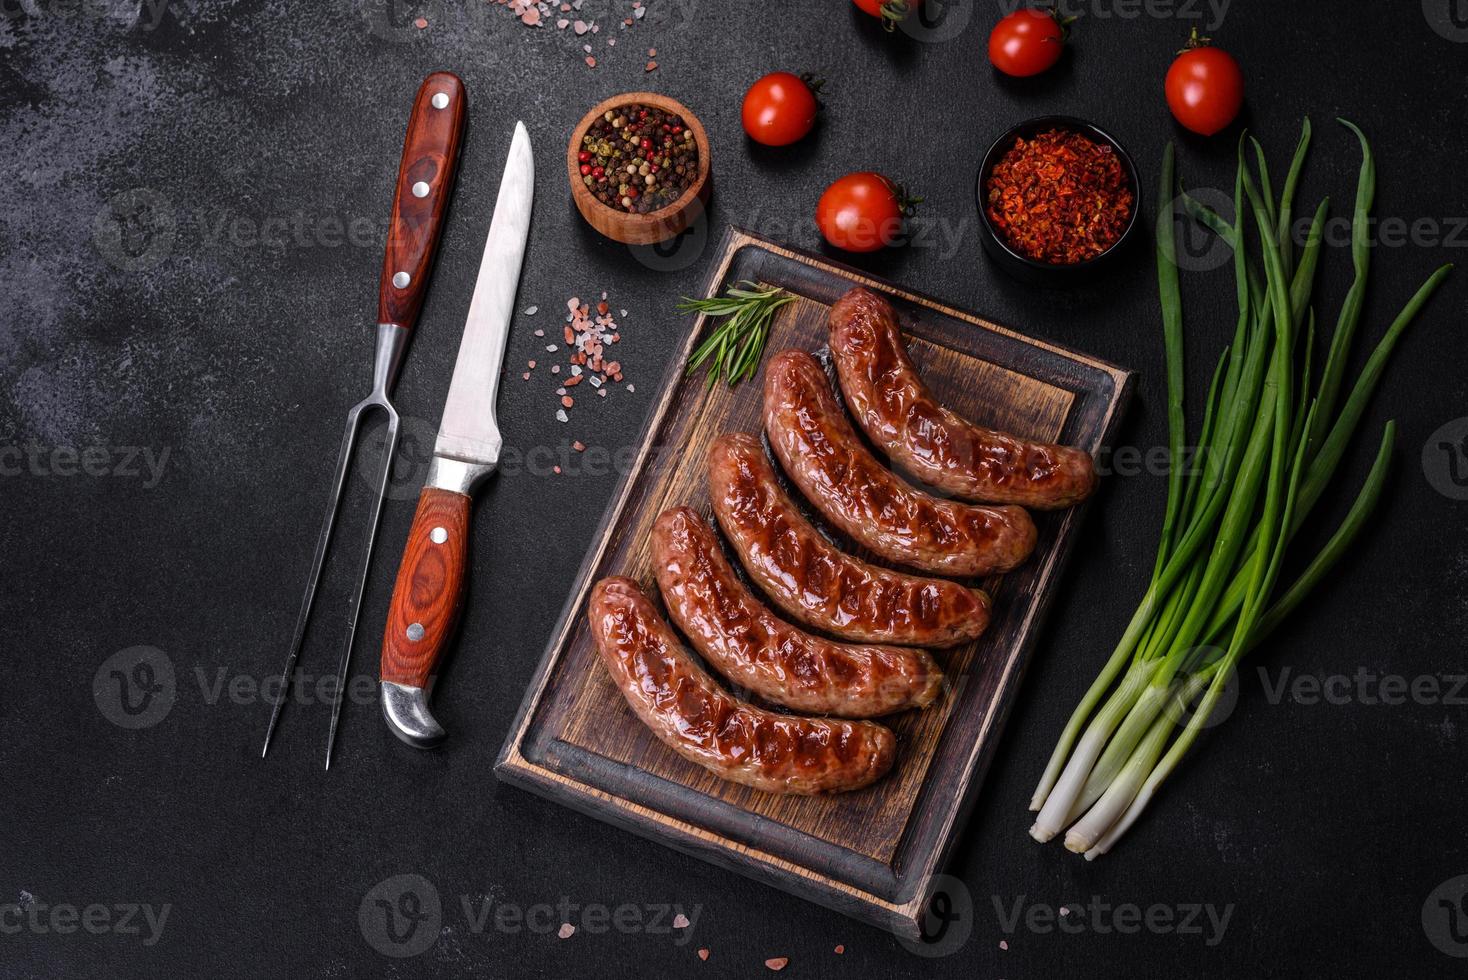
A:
{"x":776,"y":963}
{"x":420,"y":23}
{"x":680,"y":921}
{"x":551,"y":348}
{"x":561,"y":415}
{"x":531,"y":310}
{"x":567,"y":930}
{"x":1003,"y":944}
{"x":703,"y":954}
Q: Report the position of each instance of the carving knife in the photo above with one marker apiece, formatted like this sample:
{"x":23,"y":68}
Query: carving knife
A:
{"x":430,"y":585}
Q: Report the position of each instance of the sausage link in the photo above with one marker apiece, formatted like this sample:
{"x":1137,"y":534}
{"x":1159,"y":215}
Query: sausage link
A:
{"x":811,"y":579}
{"x":825,"y":458}
{"x":692,"y":715}
{"x":755,"y":649}
{"x":935,"y":446}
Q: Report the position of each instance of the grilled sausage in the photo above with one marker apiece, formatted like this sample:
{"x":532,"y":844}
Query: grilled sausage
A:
{"x":693,"y":716}
{"x":755,"y":649}
{"x":811,"y":579}
{"x":825,"y":458}
{"x":943,"y":450}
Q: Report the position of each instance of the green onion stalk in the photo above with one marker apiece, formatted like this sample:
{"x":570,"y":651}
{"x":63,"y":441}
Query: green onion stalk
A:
{"x":1273,"y":434}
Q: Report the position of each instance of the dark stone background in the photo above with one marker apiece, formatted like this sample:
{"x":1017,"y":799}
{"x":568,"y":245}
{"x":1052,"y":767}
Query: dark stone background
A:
{"x":1325,"y":827}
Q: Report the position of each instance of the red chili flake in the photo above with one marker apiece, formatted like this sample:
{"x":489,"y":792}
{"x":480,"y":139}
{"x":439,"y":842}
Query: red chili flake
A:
{"x":573,"y":381}
{"x":1059,"y":197}
{"x":567,"y":401}
{"x":840,"y":950}
{"x":703,"y":954}
{"x":420,"y":23}
{"x":570,"y":335}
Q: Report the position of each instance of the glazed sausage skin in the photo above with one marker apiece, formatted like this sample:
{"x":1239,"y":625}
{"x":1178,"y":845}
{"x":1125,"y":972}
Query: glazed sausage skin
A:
{"x":700,"y":721}
{"x":755,"y":649}
{"x":825,"y":458}
{"x":935,"y":446}
{"x":803,"y":573}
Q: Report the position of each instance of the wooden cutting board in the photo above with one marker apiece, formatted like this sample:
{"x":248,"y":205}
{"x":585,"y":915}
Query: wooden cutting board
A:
{"x":871,"y":854}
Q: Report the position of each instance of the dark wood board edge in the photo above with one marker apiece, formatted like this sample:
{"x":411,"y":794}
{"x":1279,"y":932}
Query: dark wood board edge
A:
{"x":915,"y":884}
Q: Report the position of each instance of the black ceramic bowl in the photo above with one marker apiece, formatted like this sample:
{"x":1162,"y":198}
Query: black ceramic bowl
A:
{"x":1023,"y":267}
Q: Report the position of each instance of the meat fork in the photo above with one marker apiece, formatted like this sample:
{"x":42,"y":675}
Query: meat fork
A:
{"x":425,"y":181}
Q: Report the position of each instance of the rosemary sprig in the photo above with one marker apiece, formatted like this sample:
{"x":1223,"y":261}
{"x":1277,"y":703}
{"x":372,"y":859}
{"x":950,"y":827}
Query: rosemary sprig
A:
{"x":735,"y":347}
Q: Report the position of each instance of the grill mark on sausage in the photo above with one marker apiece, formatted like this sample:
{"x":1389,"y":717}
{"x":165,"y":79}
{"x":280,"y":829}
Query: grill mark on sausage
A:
{"x":807,"y":576}
{"x":825,"y":458}
{"x":934,"y":445}
{"x":755,"y":649}
{"x":687,"y":710}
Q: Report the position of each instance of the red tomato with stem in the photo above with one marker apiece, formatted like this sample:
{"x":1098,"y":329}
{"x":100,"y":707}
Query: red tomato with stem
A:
{"x":779,"y":109}
{"x":863,"y":212}
{"x":1204,"y":87}
{"x":1026,"y":42}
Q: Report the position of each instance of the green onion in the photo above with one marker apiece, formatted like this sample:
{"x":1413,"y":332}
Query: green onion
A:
{"x":735,"y":347}
{"x":1271,"y":440}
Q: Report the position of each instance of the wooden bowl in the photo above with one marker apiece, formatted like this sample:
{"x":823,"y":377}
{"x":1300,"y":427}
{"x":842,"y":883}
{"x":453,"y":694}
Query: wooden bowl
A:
{"x":654,"y":226}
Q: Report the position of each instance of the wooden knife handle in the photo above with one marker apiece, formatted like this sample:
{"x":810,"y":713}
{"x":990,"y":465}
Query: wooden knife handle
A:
{"x":430,"y":588}
{"x":425,"y":181}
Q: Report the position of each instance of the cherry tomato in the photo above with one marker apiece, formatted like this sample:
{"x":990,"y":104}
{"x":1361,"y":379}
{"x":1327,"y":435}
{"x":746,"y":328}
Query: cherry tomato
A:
{"x":861,"y":212}
{"x":892,"y":12}
{"x":779,"y":109}
{"x":1205,"y":87}
{"x":1026,"y":42}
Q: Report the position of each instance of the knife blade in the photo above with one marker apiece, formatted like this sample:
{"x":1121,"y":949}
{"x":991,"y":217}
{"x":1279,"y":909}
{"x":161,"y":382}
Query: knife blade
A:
{"x":429,"y":592}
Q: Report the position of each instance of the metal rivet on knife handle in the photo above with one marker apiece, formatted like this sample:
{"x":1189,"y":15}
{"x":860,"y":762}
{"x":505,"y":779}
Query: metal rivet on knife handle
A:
{"x":439,"y":535}
{"x":415,"y":632}
{"x":420,"y":189}
{"x":430,"y":152}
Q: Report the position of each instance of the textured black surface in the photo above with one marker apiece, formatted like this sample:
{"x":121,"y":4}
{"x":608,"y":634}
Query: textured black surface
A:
{"x":1323,"y":828}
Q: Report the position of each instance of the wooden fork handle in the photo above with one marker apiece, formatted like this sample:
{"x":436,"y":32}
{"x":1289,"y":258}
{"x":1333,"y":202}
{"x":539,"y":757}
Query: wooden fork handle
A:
{"x":420,"y":200}
{"x":429,"y":593}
